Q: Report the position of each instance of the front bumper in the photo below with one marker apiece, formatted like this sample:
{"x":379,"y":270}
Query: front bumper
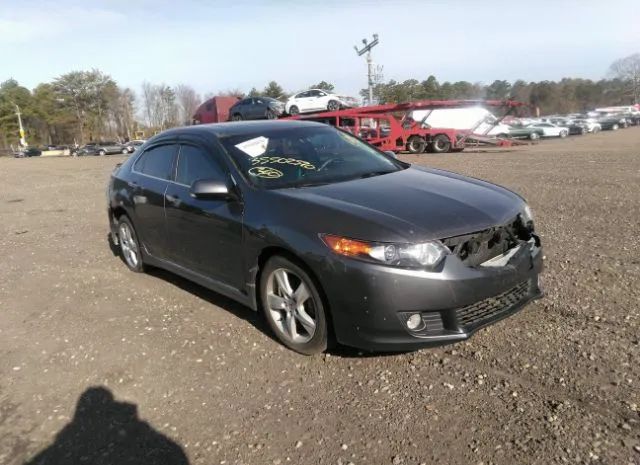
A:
{"x":370,"y":303}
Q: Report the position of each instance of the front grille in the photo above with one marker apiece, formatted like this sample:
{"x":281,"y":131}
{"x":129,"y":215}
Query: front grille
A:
{"x":476,"y":248}
{"x":476,"y":314}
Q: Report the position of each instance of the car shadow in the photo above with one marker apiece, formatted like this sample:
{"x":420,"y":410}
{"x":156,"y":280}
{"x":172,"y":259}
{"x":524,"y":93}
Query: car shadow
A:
{"x":217,"y":300}
{"x":104,"y":431}
{"x":243,"y":312}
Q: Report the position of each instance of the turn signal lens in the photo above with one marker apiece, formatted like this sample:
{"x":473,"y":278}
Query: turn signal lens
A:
{"x":344,"y":246}
{"x":426,"y":255}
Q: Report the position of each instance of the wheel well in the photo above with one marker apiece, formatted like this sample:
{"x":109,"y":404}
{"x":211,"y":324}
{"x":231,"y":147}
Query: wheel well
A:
{"x":118,"y":212}
{"x":269,"y":252}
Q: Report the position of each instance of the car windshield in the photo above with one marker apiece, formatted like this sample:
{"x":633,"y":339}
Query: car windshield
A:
{"x":300,"y":157}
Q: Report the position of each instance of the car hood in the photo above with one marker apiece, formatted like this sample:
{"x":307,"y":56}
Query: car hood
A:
{"x":408,"y":205}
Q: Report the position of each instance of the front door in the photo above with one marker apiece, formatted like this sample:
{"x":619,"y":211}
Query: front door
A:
{"x":204,"y":236}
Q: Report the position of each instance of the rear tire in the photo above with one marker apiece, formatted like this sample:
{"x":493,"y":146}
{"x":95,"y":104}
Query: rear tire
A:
{"x":271,"y":115}
{"x":236,"y":117}
{"x":102,"y":153}
{"x":563,"y":134}
{"x":416,"y":144}
{"x":130,"y":249}
{"x":294,"y":110}
{"x":534,"y":136}
{"x":333,"y":105}
{"x":125,"y":151}
{"x":615,"y":127}
{"x":293,"y":307}
{"x":440,"y":144}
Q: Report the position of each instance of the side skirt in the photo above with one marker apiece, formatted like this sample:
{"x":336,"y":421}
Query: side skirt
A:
{"x":204,"y":281}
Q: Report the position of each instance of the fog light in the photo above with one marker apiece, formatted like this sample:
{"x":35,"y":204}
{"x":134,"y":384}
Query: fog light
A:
{"x":414,"y":321}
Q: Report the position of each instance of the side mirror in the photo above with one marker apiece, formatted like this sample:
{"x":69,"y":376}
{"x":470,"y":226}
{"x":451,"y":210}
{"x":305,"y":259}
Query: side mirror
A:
{"x":391,"y":153}
{"x":212,"y":189}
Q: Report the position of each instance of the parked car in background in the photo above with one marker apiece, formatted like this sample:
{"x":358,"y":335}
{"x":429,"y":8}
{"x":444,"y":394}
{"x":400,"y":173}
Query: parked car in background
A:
{"x":317,"y":100}
{"x":521,"y":132}
{"x":591,"y":124}
{"x":28,"y":152}
{"x":85,"y":150}
{"x":575,"y":127}
{"x":101,"y":148}
{"x":609,"y":123}
{"x":133,"y":145}
{"x":304,"y":235}
{"x":550,"y":129}
{"x":256,"y":108}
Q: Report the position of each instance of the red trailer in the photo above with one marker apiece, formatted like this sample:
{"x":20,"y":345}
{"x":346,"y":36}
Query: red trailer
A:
{"x":214,"y":110}
{"x":391,"y":127}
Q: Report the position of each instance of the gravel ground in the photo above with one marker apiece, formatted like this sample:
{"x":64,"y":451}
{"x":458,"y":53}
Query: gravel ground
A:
{"x":102,"y":366}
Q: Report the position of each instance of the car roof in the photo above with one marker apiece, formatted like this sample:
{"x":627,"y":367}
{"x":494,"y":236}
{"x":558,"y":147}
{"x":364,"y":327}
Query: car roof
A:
{"x":239,"y":128}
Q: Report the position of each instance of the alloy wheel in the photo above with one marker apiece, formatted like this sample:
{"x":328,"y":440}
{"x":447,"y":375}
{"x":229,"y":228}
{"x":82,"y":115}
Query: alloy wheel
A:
{"x":128,"y":245}
{"x":291,"y":306}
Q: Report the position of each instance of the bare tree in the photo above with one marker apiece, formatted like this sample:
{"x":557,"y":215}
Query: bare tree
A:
{"x":159,"y":104}
{"x":188,"y":101}
{"x":149,"y":99}
{"x":628,"y":69}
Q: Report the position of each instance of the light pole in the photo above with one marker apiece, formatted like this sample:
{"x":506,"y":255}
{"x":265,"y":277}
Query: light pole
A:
{"x":23,"y":141}
{"x":367,"y":49}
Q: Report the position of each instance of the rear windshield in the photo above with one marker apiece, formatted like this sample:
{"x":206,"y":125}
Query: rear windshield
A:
{"x":298,"y":157}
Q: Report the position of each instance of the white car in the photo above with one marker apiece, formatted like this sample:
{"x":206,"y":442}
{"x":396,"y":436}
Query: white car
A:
{"x":591,"y":124}
{"x":551,"y":130}
{"x":317,"y":100}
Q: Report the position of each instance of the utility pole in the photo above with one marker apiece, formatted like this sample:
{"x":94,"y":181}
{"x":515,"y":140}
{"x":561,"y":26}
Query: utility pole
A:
{"x":370,"y":74}
{"x":23,"y":141}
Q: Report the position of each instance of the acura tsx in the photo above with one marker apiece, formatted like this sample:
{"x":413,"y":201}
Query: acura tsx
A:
{"x":332,"y":239}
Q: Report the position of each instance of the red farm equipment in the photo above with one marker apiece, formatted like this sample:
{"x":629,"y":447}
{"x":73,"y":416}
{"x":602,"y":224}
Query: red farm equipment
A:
{"x":392,"y":127}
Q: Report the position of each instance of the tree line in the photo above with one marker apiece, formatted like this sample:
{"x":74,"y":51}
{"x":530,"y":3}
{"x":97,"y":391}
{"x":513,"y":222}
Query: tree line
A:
{"x":83,"y":106}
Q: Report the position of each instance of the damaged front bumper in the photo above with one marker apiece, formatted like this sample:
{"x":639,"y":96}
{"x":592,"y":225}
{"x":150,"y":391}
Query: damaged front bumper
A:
{"x":371,"y":303}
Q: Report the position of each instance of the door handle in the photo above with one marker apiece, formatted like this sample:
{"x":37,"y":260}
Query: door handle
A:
{"x":172,"y":199}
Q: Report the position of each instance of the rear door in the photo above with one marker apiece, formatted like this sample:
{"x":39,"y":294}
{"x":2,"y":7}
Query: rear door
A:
{"x":150,"y":177}
{"x":204,"y":236}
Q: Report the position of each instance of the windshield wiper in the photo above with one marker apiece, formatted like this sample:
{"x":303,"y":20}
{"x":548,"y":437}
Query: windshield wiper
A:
{"x":374,"y":173}
{"x":309,"y":184}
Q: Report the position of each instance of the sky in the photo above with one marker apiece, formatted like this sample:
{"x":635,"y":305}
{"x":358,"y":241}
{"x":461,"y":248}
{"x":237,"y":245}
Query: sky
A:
{"x":220,"y":45}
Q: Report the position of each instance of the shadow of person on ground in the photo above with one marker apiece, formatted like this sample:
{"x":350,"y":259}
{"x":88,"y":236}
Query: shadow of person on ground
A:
{"x":106,"y":432}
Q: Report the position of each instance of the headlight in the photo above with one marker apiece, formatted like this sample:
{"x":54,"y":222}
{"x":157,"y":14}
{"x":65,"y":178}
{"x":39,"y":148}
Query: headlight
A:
{"x":422,"y":255}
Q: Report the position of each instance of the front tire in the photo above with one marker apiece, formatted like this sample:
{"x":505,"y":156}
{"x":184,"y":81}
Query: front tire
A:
{"x":102,"y":153}
{"x":271,"y":114}
{"x":130,"y":249}
{"x":125,"y":151}
{"x":333,"y":105}
{"x":294,"y":110}
{"x":236,"y":117}
{"x":563,"y":134}
{"x":293,"y":307}
{"x":534,"y":136}
{"x":615,"y":127}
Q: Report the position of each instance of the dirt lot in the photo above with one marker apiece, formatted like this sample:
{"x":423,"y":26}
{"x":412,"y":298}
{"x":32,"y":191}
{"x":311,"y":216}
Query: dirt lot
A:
{"x":102,"y":366}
